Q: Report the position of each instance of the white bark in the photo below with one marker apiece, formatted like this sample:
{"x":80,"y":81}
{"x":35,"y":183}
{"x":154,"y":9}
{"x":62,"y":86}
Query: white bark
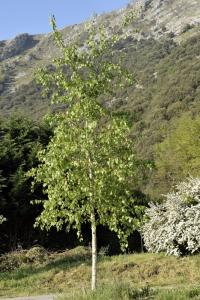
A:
{"x":93,"y":224}
{"x":94,"y":252}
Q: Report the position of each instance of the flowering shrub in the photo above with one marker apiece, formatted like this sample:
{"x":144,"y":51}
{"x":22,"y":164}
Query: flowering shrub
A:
{"x":174,"y":225}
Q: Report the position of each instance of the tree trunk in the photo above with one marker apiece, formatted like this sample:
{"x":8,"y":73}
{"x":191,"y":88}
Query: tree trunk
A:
{"x":94,"y":252}
{"x":141,"y":241}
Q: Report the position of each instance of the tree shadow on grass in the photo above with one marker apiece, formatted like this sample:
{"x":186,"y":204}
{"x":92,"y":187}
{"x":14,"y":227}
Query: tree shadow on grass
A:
{"x":60,"y":264}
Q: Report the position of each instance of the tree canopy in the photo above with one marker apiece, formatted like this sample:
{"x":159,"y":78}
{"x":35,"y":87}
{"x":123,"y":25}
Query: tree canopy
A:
{"x":178,"y":156}
{"x":89,"y":166}
{"x":20,"y":140}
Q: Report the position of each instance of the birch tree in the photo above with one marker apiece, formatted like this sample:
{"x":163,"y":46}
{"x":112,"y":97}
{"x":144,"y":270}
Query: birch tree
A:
{"x":89,"y":166}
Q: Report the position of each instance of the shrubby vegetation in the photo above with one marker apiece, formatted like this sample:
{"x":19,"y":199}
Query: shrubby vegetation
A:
{"x":174,"y":225}
{"x":21,"y":258}
{"x":20,"y":140}
{"x":178,"y":155}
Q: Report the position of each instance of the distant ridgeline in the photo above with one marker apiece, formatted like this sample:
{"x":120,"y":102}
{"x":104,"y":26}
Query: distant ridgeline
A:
{"x":162,"y":50}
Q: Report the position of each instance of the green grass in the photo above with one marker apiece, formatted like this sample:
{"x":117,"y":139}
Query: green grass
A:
{"x":69,"y":272}
{"x":116,"y":292}
{"x":124,"y":291}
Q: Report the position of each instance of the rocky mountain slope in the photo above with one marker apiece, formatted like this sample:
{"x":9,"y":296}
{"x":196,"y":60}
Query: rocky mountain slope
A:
{"x":161,"y":42}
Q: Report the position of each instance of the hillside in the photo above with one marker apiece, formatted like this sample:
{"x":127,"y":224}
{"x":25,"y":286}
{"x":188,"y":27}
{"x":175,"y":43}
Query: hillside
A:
{"x":162,"y":50}
{"x":153,"y":276}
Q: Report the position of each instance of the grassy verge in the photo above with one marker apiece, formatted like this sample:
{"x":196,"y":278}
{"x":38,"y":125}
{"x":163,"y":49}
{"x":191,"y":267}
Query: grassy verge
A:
{"x":126,"y":292}
{"x":38,"y":272}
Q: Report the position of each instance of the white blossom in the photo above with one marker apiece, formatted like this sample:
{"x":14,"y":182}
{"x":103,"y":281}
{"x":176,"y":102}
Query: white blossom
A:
{"x":174,"y":225}
{"x":2,"y":219}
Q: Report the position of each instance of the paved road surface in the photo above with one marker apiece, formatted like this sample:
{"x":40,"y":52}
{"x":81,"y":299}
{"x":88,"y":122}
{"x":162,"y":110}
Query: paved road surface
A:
{"x":43,"y":297}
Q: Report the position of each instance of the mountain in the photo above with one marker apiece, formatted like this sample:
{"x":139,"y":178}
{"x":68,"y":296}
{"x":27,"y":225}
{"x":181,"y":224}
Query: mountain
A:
{"x":162,"y":46}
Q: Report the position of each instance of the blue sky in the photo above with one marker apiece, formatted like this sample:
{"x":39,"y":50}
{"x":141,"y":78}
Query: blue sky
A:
{"x":32,"y":16}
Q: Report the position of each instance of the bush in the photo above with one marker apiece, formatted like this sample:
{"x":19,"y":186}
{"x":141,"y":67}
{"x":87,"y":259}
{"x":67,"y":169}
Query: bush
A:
{"x":12,"y":260}
{"x":37,"y":254}
{"x":174,"y":225}
{"x":16,"y":259}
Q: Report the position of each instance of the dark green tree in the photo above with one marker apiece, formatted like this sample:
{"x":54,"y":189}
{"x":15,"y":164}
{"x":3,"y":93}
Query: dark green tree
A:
{"x":20,"y":141}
